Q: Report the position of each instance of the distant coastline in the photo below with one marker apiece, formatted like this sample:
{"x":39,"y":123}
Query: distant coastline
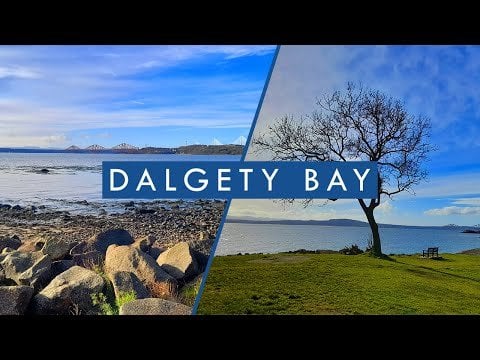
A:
{"x":338,"y":222}
{"x":128,"y":149}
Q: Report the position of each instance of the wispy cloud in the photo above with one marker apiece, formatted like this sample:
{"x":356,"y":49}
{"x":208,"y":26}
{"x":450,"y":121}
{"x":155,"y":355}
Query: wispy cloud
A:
{"x":18,"y":72}
{"x":454,"y":210}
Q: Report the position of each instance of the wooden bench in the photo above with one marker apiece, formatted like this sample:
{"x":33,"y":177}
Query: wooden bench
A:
{"x":430,"y":252}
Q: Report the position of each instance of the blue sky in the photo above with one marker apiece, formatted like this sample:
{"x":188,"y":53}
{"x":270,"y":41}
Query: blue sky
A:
{"x":440,"y":82}
{"x":56,"y":96}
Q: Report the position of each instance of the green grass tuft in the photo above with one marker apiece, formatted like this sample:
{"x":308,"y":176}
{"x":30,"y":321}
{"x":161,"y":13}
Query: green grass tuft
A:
{"x":189,"y":292}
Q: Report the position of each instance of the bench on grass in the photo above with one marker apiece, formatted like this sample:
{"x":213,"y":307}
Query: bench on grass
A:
{"x":431,"y":252}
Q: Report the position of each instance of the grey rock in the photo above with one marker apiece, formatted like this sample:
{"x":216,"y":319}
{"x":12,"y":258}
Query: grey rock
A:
{"x":11,"y":242}
{"x":27,"y":268}
{"x":88,"y":259}
{"x":131,"y":259}
{"x":60,"y":266}
{"x":14,"y":300}
{"x":72,"y":288}
{"x":156,"y":250}
{"x":17,"y":208}
{"x":202,"y":260}
{"x":125,"y":282}
{"x":80,"y":248}
{"x":144,"y":243}
{"x":57,"y":249}
{"x":179,"y":261}
{"x":154,"y":306}
{"x":102,"y":241}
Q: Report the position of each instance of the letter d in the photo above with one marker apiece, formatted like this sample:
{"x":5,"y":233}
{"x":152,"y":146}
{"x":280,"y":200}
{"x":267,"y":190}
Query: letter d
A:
{"x":112,"y":179}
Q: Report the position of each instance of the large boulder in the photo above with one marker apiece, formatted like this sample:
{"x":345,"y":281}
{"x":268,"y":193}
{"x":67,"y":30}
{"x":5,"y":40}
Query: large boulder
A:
{"x":125,"y":282}
{"x":179,"y":261}
{"x":144,"y":243}
{"x":56,"y":248}
{"x":102,"y":241}
{"x":31,"y":246}
{"x":27,"y":268}
{"x":99,"y":244}
{"x":202,"y":260}
{"x":153,"y":306}
{"x":72,"y":288}
{"x":131,"y":259}
{"x":80,"y":248}
{"x":10,"y":242}
{"x":60,"y":266}
{"x":88,"y":259}
{"x":14,"y":300}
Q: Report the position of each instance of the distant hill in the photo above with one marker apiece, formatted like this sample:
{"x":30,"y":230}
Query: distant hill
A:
{"x":210,"y":149}
{"x":334,"y":222}
{"x":231,"y":149}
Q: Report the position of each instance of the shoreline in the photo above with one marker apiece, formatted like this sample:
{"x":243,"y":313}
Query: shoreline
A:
{"x":169,"y":221}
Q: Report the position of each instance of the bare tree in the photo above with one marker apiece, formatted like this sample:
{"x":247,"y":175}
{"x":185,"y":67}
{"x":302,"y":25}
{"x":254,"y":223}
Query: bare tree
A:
{"x":357,"y":124}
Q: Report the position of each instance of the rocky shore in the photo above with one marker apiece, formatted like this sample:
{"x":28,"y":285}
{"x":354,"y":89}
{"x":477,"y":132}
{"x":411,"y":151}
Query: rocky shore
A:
{"x":146,"y":260}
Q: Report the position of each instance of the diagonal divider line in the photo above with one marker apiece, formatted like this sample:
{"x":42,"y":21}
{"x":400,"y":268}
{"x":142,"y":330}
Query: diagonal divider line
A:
{"x":227,"y":205}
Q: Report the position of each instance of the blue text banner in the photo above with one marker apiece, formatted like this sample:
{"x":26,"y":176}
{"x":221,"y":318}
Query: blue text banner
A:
{"x":239,"y":180}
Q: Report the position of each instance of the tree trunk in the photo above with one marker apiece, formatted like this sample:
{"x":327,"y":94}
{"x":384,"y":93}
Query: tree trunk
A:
{"x":377,"y":246}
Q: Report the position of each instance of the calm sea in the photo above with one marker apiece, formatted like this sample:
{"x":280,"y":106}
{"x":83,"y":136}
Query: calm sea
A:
{"x":265,"y":238}
{"x":72,"y":177}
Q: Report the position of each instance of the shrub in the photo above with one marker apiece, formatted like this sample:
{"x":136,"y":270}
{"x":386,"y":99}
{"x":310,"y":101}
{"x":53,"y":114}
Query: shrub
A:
{"x":125,"y":298}
{"x":112,"y":308}
{"x":106,"y":308}
{"x":351,"y":250}
{"x":164,"y":290}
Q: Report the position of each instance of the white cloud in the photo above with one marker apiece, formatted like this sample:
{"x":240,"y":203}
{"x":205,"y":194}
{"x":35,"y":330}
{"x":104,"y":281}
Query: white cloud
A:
{"x":319,"y":210}
{"x":454,"y":210}
{"x":475,"y":201}
{"x":18,"y":72}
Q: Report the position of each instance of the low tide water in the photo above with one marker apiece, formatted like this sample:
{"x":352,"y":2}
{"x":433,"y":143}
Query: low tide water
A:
{"x":72,"y":178}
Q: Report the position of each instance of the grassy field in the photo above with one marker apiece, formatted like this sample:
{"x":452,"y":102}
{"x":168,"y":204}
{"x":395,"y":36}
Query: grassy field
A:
{"x":342,"y":284}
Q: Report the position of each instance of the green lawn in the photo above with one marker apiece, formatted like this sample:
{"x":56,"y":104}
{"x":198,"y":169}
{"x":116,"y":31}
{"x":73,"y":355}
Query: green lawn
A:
{"x":342,"y":284}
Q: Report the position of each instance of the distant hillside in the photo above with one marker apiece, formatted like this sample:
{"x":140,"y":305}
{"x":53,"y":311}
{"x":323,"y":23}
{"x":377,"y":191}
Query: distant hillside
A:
{"x":210,"y":150}
{"x":334,"y":222}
